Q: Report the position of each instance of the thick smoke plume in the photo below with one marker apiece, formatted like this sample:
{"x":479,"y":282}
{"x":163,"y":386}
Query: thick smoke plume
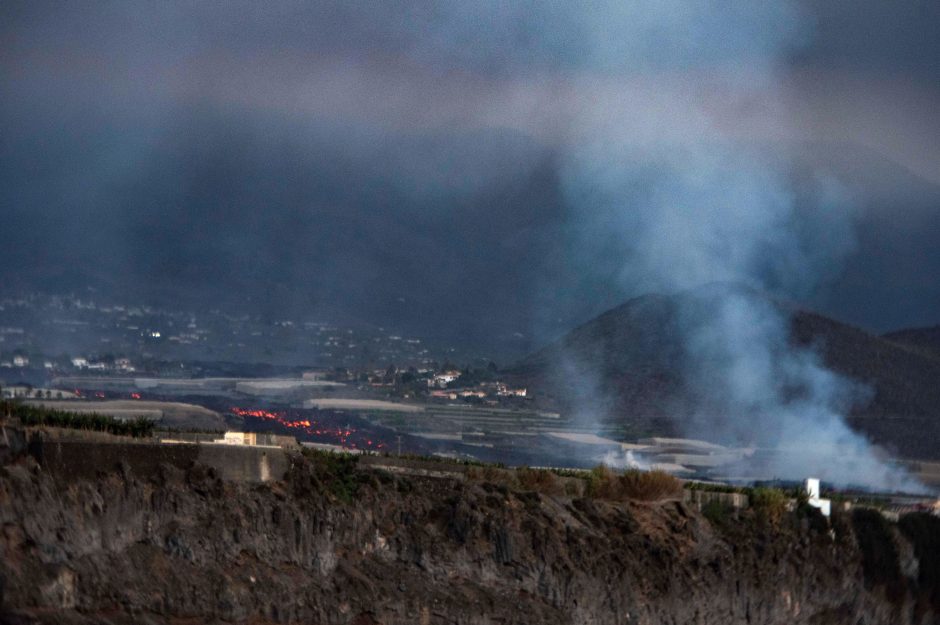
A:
{"x":682,"y":205}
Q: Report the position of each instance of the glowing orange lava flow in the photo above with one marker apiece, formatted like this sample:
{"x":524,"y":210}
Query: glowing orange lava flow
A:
{"x":260,"y":414}
{"x":309,"y":427}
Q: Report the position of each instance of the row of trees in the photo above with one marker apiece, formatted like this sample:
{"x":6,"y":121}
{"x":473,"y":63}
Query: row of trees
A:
{"x":38,"y":415}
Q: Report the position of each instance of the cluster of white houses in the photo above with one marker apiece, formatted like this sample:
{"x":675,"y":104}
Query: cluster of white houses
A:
{"x":484,"y":390}
{"x":25,"y":391}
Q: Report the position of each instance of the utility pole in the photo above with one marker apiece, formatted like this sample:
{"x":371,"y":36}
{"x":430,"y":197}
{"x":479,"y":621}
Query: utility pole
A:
{"x":399,"y":445}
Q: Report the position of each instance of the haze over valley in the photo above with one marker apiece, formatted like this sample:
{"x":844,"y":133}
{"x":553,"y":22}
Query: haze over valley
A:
{"x":532,"y":312}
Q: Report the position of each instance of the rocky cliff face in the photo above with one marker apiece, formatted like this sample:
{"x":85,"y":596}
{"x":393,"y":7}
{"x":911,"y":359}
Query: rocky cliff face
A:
{"x":336,"y":544}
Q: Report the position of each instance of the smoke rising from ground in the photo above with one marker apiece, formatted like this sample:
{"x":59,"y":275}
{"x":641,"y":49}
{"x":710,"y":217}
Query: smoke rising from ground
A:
{"x":679,"y":208}
{"x":758,"y":390}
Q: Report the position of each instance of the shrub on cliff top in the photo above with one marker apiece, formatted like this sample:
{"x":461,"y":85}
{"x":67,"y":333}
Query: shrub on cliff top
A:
{"x":604,"y":483}
{"x":337,"y":472}
{"x":770,"y":504}
{"x":715,"y":487}
{"x":490,"y":474}
{"x":539,"y":480}
{"x":523,"y":478}
{"x":650,"y":485}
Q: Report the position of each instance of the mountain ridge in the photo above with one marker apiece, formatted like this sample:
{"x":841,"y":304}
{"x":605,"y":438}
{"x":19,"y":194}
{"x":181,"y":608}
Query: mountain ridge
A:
{"x":624,"y":369}
{"x":924,"y":340}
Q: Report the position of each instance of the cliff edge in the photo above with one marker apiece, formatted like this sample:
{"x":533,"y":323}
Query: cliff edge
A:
{"x":336,"y":542}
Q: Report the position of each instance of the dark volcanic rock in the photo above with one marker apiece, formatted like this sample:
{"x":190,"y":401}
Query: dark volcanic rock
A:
{"x":372,"y":548}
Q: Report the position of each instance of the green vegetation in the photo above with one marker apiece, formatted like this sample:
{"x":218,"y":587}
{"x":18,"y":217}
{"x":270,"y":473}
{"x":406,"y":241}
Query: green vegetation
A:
{"x":164,"y":431}
{"x":465,"y":462}
{"x":600,"y":482}
{"x":38,"y":415}
{"x":545,"y":481}
{"x":490,"y":473}
{"x":769,"y":504}
{"x":717,"y":488}
{"x":717,"y":513}
{"x":338,"y":473}
{"x":866,"y":500}
{"x":577,"y":473}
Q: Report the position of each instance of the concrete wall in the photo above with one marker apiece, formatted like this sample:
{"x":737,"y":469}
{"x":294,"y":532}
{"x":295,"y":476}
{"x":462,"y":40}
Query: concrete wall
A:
{"x":245,"y":463}
{"x":77,"y":459}
{"x":700,"y":498}
{"x":84,"y":459}
{"x":187,"y":437}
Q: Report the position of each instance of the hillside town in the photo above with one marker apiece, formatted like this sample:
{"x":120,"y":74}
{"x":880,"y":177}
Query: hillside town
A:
{"x":84,"y":333}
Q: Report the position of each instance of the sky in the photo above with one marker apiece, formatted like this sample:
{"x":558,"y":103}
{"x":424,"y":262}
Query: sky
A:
{"x":481,"y":172}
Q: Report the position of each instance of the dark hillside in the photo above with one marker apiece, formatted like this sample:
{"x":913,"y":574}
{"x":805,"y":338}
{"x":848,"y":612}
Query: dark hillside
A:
{"x":923,"y":340}
{"x":620,"y":363}
{"x":631,"y":356}
{"x":904,"y":412}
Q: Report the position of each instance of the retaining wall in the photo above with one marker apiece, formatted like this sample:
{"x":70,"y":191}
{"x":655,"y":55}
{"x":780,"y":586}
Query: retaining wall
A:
{"x":76,"y":459}
{"x":700,"y":498}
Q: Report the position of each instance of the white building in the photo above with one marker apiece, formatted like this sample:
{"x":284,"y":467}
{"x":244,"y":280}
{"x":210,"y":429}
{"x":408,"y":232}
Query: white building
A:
{"x":22,"y":391}
{"x":812,"y":489}
{"x":441,"y":380}
{"x":504,"y":391}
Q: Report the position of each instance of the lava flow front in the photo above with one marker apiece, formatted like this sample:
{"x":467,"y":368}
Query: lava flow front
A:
{"x":305,"y":427}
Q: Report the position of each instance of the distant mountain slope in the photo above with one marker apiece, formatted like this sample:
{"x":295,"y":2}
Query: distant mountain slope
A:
{"x":623,"y":368}
{"x":924,"y":340}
